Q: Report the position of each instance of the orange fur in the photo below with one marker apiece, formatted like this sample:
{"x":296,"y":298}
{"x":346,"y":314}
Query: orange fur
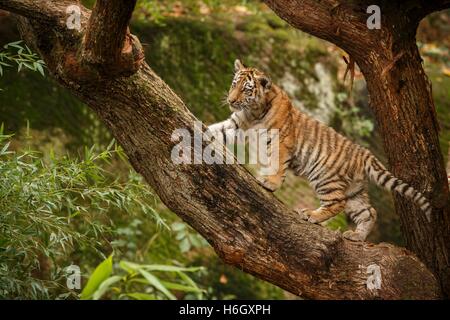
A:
{"x":336,"y":168}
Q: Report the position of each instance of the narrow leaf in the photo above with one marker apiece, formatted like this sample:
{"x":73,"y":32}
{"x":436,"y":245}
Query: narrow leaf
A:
{"x":100,"y":274}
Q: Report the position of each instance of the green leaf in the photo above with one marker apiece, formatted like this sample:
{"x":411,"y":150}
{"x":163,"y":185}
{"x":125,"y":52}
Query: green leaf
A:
{"x":30,"y":66}
{"x":5,"y":148}
{"x":39,"y":68}
{"x":177,"y":226}
{"x":129,"y":266}
{"x":154,"y":281}
{"x":141,"y":296}
{"x":188,"y":279}
{"x":104,"y":286}
{"x":157,"y":267}
{"x":195,"y":240}
{"x":180,"y":235}
{"x":111,"y":144}
{"x":100,"y":274}
{"x":185,"y":245}
{"x":181,"y":287}
{"x":13,"y":44}
{"x":133,"y":267}
{"x":29,"y":50}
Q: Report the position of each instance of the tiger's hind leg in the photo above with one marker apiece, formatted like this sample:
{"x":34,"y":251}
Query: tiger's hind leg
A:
{"x":359,"y":210}
{"x":332,"y":203}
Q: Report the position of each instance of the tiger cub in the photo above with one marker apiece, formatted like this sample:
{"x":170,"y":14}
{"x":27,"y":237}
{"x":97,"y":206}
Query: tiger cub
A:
{"x":336,"y":168}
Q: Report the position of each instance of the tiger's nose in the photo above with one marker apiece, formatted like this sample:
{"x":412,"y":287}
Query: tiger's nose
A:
{"x":232,"y":100}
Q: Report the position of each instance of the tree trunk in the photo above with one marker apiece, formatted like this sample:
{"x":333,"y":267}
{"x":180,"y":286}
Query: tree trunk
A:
{"x":401,"y":98}
{"x":448,"y":163}
{"x":247,"y":226}
{"x":410,"y":135}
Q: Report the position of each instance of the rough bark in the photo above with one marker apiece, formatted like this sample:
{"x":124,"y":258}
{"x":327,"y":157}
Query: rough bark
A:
{"x":108,"y":44}
{"x":247,"y":226}
{"x":401,"y":98}
{"x":448,"y":162}
{"x":411,"y":140}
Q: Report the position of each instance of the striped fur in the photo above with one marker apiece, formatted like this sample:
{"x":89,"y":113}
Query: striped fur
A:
{"x":336,"y":168}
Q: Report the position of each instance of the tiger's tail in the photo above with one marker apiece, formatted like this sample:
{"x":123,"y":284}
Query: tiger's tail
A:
{"x":382,"y":177}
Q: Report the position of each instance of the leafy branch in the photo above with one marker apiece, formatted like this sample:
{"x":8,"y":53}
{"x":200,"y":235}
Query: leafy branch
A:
{"x":52,"y":209}
{"x":140,"y":281}
{"x":21,"y":55}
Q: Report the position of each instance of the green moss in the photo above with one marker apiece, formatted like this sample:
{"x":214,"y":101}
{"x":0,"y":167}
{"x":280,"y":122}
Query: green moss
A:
{"x":195,"y":57}
{"x":187,"y":55}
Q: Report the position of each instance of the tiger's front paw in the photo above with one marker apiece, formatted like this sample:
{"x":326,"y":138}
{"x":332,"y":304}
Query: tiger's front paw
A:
{"x":312,"y":216}
{"x":215,"y":128}
{"x":269,"y":184}
{"x":304,"y":213}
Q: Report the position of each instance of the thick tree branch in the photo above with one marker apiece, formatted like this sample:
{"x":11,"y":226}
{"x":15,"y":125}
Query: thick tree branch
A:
{"x":108,"y":49}
{"x":401,"y":97}
{"x":108,"y":44}
{"x":44,"y":11}
{"x":248,"y":227}
{"x":340,"y":22}
{"x":344,"y":23}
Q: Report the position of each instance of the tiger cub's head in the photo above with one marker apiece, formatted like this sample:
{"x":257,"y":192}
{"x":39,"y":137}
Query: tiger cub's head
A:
{"x":248,"y":89}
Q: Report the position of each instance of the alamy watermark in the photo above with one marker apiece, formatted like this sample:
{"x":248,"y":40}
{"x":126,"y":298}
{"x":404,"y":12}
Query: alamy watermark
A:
{"x":374,"y":21}
{"x":374,"y":277}
{"x":73,"y":21}
{"x":73,"y":280}
{"x":208,"y":147}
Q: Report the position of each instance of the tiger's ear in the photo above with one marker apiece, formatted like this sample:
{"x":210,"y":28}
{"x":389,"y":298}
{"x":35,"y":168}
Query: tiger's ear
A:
{"x":265,"y":81}
{"x":238,"y":65}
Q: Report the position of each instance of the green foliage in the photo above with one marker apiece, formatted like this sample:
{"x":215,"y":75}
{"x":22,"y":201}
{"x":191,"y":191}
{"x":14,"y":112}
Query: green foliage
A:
{"x":158,"y":11}
{"x":338,"y":223}
{"x":55,"y":211}
{"x":194,"y":53}
{"x":193,"y":50}
{"x":349,"y":120}
{"x":29,"y":97}
{"x":195,"y":56}
{"x":22,"y":56}
{"x":152,"y":10}
{"x":22,"y":93}
{"x":62,"y":211}
{"x":141,"y":282}
{"x":441,"y":94}
{"x":97,"y":278}
{"x":224,"y":282}
{"x":188,"y":238}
